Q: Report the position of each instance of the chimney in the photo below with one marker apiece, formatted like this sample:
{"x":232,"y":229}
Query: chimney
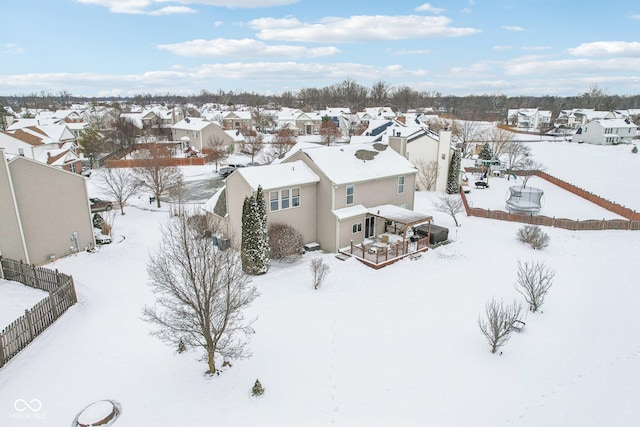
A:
{"x":402,"y":119}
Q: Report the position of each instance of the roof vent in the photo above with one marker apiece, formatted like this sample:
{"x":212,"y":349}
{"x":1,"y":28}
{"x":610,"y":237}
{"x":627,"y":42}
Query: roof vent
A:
{"x":186,"y":119}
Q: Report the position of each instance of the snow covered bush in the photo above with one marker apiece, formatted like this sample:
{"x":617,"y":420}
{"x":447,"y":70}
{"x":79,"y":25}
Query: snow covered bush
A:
{"x":533,"y":236}
{"x":285,"y":242}
{"x":634,"y":150}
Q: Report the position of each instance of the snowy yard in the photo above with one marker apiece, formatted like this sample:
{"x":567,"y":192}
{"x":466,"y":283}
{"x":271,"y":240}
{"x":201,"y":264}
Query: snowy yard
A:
{"x":398,"y":346}
{"x":15,"y":298}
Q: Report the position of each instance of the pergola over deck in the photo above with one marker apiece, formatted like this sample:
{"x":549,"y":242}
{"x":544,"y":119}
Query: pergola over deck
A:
{"x":405,"y":217}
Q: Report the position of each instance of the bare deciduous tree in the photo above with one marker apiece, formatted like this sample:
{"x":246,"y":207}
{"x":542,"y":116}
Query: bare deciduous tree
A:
{"x":534,"y":281}
{"x":427,"y":173}
{"x":497,"y":324}
{"x":283,"y":141}
{"x":450,"y":204}
{"x":329,"y":132}
{"x":153,"y":171}
{"x":498,"y":138}
{"x":529,"y":164}
{"x":216,"y":149}
{"x":320,"y":270}
{"x":119,"y":184}
{"x":466,"y":132}
{"x":254,"y":144}
{"x":516,"y":151}
{"x":201,"y":293}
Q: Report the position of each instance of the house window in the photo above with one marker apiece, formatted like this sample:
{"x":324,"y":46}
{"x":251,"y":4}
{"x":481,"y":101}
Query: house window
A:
{"x":356,"y":228}
{"x":350,"y":194}
{"x":273,"y":201}
{"x":400,"y":184}
{"x":21,"y":151}
{"x":295,"y":197}
{"x":284,"y":199}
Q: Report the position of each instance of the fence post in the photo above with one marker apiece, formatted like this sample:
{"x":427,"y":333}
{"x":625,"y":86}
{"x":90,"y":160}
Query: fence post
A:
{"x":2,"y":356}
{"x":54,"y":303}
{"x":1,"y":277}
{"x":27,"y":315}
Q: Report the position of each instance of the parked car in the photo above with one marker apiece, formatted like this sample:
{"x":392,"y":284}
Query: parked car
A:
{"x":226,"y":171}
{"x":99,"y":205}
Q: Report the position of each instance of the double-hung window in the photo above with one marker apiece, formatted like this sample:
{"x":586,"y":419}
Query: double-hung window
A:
{"x":351,"y":191}
{"x":295,"y":197}
{"x":356,"y":228}
{"x":400,"y":184}
{"x":273,"y":201}
{"x":285,"y":200}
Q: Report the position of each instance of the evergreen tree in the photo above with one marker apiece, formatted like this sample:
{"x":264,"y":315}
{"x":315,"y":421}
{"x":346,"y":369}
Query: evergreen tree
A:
{"x":453,"y":183}
{"x":486,"y":153}
{"x":263,"y":234}
{"x":254,"y":245}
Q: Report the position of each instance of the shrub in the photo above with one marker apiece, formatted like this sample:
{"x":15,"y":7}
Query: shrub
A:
{"x":533,"y":236}
{"x":634,"y":150}
{"x":97,"y":221}
{"x":320,"y":270}
{"x":257,"y":389}
{"x":285,"y":242}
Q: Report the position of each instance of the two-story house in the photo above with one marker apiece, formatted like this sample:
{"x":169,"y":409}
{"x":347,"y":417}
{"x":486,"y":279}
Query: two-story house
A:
{"x":200,"y":133}
{"x":529,"y":118}
{"x":331,"y":195}
{"x":45,"y":211}
{"x":606,"y":132}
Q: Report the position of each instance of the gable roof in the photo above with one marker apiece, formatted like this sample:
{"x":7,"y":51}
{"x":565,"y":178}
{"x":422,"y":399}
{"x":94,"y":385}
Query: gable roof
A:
{"x":278,"y":175}
{"x":193,"y":123}
{"x":344,"y":164}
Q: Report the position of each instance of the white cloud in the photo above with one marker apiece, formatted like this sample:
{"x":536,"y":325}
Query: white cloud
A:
{"x":503,"y":47}
{"x":536,"y":48}
{"x":466,"y":10}
{"x":407,"y":52}
{"x":635,"y":16}
{"x":426,"y":7}
{"x":566,"y":67}
{"x":11,"y":48}
{"x":513,"y":28}
{"x":357,"y":28}
{"x":244,"y":48}
{"x":141,"y":7}
{"x":617,"y":48}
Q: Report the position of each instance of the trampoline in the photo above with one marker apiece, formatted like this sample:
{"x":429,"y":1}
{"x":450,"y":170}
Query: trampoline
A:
{"x":527,"y":200}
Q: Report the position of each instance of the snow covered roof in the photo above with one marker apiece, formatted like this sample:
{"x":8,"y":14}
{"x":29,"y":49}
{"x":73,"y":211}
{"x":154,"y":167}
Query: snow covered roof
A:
{"x":192,"y":123}
{"x":616,"y":123}
{"x":341,"y":166}
{"x":350,"y":212}
{"x":399,"y":215}
{"x":236,"y":135}
{"x":278,"y":175}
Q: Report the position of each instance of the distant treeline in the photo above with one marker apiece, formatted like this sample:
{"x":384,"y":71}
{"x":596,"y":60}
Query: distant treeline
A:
{"x":354,"y":96}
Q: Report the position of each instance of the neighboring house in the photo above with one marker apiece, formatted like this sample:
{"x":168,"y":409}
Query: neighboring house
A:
{"x":45,"y":211}
{"x":237,"y":120}
{"x":199,"y":133}
{"x":606,"y":132}
{"x":35,"y":144}
{"x":529,"y":118}
{"x":332,"y":195}
{"x":303,"y":123}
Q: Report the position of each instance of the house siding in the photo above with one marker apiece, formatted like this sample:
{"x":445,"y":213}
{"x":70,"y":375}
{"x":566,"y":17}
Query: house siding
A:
{"x":48,"y":214}
{"x":11,"y":239}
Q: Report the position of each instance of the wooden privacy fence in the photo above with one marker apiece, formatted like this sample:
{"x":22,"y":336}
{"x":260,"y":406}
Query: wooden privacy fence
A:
{"x":632,"y":222}
{"x":26,"y":328}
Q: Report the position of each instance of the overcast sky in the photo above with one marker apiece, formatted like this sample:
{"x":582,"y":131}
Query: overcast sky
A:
{"x":455,"y":47}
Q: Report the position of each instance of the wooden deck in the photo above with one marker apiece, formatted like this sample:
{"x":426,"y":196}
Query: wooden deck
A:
{"x":377,"y":254}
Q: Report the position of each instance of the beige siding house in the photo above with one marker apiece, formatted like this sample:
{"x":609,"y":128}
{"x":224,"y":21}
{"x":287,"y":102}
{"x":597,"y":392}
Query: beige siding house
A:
{"x":340,"y":191}
{"x":199,"y":133}
{"x":45,"y":211}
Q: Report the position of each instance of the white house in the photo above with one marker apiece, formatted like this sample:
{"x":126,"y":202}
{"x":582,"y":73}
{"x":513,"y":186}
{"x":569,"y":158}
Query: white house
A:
{"x":606,"y":132}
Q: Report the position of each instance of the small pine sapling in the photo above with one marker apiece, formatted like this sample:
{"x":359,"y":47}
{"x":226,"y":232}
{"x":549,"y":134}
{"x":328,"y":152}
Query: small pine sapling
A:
{"x":257,"y":389}
{"x":634,"y":150}
{"x":181,"y":347}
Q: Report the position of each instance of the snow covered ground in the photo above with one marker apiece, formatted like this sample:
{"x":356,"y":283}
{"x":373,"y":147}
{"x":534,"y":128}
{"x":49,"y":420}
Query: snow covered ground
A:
{"x":398,"y":346}
{"x":15,"y":298}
